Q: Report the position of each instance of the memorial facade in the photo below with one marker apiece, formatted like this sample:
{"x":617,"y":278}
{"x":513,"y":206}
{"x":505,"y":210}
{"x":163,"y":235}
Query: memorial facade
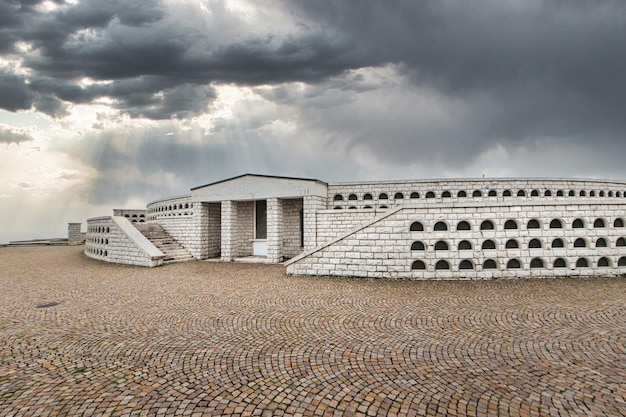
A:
{"x":413,"y":229}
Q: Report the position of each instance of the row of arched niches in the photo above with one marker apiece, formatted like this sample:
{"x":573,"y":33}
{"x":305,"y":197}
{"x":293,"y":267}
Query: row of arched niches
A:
{"x":97,"y":241}
{"x":517,"y":263}
{"x":384,"y":199}
{"x":512,"y":224}
{"x":169,"y":209}
{"x":136,"y":218}
{"x":552,"y":243}
{"x":481,"y":193}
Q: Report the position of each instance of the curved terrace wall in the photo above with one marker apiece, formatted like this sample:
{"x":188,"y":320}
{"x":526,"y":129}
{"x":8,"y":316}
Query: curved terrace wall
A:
{"x":388,"y":194}
{"x":133,"y":215}
{"x":180,"y":206}
{"x":114,"y":239}
{"x":444,"y":237}
{"x":418,"y":229}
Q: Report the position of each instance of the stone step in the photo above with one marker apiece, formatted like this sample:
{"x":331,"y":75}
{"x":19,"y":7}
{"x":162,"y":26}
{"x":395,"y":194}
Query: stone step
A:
{"x":173,"y":250}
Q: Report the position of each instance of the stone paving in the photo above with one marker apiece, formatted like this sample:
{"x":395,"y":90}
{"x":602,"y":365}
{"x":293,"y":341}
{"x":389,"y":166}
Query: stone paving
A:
{"x":81,"y":337}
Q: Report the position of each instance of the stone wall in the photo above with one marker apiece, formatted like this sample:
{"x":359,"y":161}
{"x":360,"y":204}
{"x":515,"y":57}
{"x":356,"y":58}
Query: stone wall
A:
{"x":116,"y":240}
{"x":237,"y":229}
{"x":455,"y":243}
{"x":290,"y":227}
{"x":182,"y":229}
{"x":213,"y":212}
{"x":333,"y":223}
{"x":170,"y":207}
{"x":311,"y":207}
{"x":358,"y":228}
{"x":229,"y":215}
{"x":275,"y":219}
{"x":198,"y":232}
{"x":134,"y":215}
{"x":244,"y":228}
{"x":392,"y":193}
{"x":74,"y":235}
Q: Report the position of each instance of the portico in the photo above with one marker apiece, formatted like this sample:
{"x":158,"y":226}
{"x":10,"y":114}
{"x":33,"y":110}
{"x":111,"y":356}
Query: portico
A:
{"x":259,"y":216}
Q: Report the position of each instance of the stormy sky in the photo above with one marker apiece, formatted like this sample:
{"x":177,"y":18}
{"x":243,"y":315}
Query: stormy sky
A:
{"x":116,"y":103}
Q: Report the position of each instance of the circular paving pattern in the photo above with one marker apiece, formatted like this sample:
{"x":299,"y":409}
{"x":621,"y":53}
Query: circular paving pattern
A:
{"x":81,"y":337}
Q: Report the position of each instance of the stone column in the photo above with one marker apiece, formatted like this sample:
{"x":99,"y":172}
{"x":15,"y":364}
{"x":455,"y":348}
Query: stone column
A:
{"x":229,"y":229}
{"x":274,"y":230}
{"x":74,"y":235}
{"x":214,"y":229}
{"x":311,"y":205}
{"x":199,"y":228}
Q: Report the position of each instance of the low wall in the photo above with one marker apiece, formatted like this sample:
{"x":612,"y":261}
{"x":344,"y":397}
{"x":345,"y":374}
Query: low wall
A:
{"x":74,"y":235}
{"x":134,"y":215}
{"x":451,"y":242}
{"x":333,"y":223}
{"x":170,"y":207}
{"x":114,"y":239}
{"x":385,"y":194}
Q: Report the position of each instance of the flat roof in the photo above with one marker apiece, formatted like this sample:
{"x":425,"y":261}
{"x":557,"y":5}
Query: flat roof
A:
{"x":260,"y":176}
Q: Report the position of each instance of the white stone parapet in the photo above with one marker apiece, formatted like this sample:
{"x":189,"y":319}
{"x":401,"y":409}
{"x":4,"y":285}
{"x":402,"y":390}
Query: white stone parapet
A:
{"x":180,"y":206}
{"x":114,"y":239}
{"x":478,"y":241}
{"x":74,"y":234}
{"x":414,"y":229}
{"x":386,"y":194}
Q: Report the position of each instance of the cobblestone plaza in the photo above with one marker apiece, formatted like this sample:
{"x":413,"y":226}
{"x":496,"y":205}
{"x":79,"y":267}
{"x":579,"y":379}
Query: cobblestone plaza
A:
{"x":83,"y":337}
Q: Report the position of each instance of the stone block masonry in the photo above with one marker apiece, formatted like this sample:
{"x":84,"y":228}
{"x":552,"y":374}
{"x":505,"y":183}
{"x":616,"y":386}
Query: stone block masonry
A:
{"x":114,"y":239}
{"x":311,"y":206}
{"x":332,"y":223}
{"x":467,"y":242}
{"x":74,"y":235}
{"x":275,"y":219}
{"x":413,"y":229}
{"x":229,"y":218}
{"x":292,"y":227}
{"x":244,"y":228}
{"x":237,"y":229}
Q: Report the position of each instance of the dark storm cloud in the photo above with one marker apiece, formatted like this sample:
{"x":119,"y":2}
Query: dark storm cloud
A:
{"x":557,"y":65}
{"x":114,"y":40}
{"x":12,"y":136}
{"x":63,"y":53}
{"x":153,"y":97}
{"x":526,"y":69}
{"x":310,"y":58}
{"x":51,"y":32}
{"x":460,"y":46}
{"x":158,"y":97}
{"x":134,"y":45}
{"x":15,"y":94}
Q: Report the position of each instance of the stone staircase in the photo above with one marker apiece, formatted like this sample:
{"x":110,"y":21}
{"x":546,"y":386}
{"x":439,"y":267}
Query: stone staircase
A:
{"x":173,"y":251}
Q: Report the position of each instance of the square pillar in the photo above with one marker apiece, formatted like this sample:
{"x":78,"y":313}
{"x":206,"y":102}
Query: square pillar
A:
{"x":229,"y":230}
{"x":274,"y":230}
{"x":74,"y":235}
{"x":311,"y":205}
{"x":198,"y":245}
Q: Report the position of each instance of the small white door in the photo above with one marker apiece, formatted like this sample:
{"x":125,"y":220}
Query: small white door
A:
{"x":259,"y":247}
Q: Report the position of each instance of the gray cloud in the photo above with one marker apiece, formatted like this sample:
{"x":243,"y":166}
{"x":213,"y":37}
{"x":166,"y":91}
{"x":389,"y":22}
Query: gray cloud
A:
{"x":151,"y":57}
{"x":13,"y":136}
{"x":474,"y":75}
{"x":557,"y":67}
{"x":15,"y":92}
{"x":549,"y":68}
